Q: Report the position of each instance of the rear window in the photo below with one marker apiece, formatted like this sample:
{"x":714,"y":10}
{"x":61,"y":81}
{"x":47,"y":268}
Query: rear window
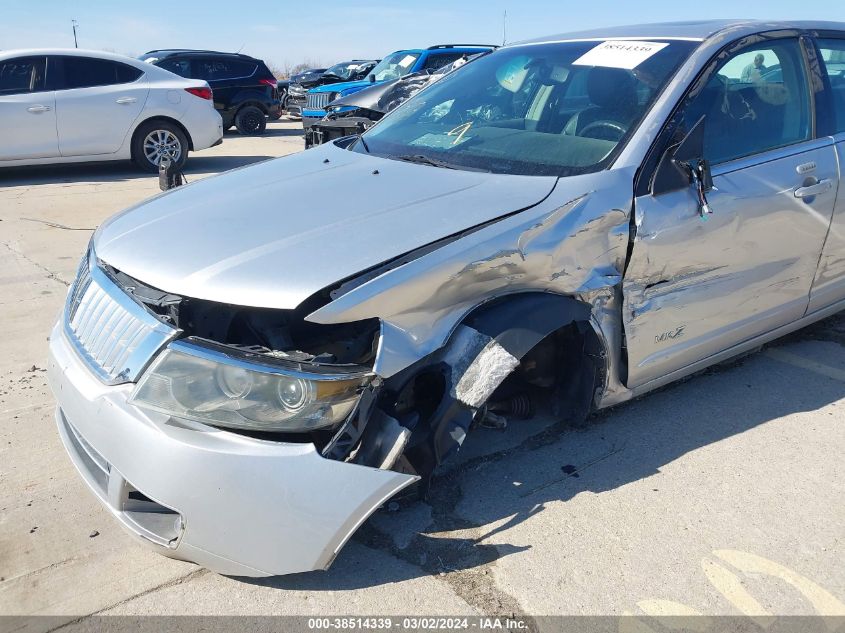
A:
{"x":87,"y":72}
{"x":218,"y":69}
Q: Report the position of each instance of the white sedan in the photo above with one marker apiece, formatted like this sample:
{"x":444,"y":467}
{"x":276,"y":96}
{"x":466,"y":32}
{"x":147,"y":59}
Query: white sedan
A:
{"x":68,"y":106}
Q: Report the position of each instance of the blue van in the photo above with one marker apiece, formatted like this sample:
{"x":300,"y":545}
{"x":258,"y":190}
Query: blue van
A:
{"x":393,"y":66}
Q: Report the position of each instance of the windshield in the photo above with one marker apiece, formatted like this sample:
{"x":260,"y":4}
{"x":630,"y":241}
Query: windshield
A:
{"x":394,"y":66}
{"x":344,"y":70}
{"x":550,"y":109}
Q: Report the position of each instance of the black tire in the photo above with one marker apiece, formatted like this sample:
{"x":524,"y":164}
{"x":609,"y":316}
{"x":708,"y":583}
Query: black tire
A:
{"x":250,"y":120}
{"x":152,"y":132}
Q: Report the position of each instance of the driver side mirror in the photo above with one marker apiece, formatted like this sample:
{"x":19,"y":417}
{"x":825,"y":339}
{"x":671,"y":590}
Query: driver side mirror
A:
{"x":675,"y":169}
{"x":372,"y":78}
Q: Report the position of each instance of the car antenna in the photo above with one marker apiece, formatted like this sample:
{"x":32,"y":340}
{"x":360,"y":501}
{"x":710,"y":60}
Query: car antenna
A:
{"x":241,"y":48}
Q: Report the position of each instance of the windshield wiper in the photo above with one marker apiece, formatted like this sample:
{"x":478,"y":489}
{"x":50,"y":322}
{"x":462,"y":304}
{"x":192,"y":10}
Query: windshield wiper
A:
{"x":420,"y":159}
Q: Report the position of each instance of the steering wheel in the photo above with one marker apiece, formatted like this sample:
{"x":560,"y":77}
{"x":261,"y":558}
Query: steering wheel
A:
{"x":617,"y":130}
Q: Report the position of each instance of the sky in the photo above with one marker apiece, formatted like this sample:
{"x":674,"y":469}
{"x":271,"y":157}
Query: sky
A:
{"x":323,"y":32}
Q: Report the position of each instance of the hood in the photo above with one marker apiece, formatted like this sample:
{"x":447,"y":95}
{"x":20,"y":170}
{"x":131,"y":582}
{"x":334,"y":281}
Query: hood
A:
{"x":273,"y":234}
{"x":384,"y":96}
{"x":346,"y":85}
{"x":307,"y":75}
{"x":318,"y":80}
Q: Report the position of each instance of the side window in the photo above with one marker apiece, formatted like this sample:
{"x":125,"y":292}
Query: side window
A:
{"x":439,"y":60}
{"x":576,"y":95}
{"x":211,"y":69}
{"x":833,"y":58}
{"x":243,"y":69}
{"x":181,"y":67}
{"x":219,"y":69}
{"x":362,"y":71}
{"x":756,"y":100}
{"x":126,"y":74}
{"x":22,"y":75}
{"x":87,"y":72}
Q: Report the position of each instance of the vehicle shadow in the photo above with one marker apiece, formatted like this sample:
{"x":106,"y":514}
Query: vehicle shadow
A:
{"x":114,"y":171}
{"x":198,"y":164}
{"x":617,"y":447}
{"x":271,"y":131}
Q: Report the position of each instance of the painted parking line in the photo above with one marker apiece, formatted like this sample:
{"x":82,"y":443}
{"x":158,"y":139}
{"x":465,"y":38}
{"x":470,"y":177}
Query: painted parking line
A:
{"x":677,"y":616}
{"x":795,"y":360}
{"x":730,"y":586}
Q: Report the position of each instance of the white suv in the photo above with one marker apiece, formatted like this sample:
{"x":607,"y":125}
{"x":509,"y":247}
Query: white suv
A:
{"x":67,"y":105}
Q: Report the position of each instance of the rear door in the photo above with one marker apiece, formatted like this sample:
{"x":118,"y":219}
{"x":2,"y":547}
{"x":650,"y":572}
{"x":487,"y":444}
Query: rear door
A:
{"x":829,"y":285}
{"x":697,"y":285}
{"x":97,"y":102}
{"x":27,"y":110}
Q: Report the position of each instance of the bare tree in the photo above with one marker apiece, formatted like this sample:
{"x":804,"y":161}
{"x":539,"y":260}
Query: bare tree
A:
{"x":279,"y":72}
{"x":285,"y":70}
{"x":304,"y":65}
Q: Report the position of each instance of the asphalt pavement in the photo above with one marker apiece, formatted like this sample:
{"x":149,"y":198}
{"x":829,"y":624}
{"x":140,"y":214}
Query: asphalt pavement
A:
{"x":720,"y":495}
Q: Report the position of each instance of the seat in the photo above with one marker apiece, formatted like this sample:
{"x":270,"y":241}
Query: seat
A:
{"x":613,"y":98}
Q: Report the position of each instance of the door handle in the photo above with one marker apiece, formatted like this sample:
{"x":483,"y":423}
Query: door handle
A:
{"x":126,"y":100}
{"x":812,"y":190}
{"x":38,"y":109}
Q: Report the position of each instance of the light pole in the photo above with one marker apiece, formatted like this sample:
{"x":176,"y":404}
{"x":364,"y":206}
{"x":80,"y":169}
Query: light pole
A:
{"x":75,"y":44}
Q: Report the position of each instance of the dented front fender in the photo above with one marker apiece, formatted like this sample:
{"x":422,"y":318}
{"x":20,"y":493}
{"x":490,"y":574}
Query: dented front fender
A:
{"x":574,"y":243}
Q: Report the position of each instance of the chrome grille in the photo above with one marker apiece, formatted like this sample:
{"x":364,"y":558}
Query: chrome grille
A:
{"x":317,"y":100}
{"x":112,"y":333}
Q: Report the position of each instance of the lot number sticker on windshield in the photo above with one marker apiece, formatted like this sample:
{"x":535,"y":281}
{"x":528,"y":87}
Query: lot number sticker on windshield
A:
{"x":627,"y":54}
{"x":407,"y":61}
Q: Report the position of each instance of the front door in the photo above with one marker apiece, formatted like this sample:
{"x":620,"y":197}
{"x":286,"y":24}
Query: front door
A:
{"x":27,"y":110}
{"x":697,"y":285}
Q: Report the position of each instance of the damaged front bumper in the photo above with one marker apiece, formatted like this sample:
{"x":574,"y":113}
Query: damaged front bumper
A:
{"x":231,"y":503}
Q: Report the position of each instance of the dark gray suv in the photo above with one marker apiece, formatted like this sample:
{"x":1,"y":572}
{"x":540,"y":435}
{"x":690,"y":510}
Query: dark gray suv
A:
{"x":245,"y":91}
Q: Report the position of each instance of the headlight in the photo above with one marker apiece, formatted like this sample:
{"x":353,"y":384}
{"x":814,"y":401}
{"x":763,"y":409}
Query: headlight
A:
{"x":334,"y":95}
{"x":206,"y":384}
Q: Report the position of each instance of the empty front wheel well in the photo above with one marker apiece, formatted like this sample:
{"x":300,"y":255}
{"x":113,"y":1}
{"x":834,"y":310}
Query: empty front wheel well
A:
{"x":508,"y":358}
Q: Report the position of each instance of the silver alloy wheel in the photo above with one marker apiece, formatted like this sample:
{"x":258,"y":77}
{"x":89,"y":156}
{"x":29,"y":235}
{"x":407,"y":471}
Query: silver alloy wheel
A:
{"x":159,"y":143}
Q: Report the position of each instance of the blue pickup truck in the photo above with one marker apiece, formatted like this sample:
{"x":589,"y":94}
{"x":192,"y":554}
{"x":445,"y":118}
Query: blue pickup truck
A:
{"x":393,"y":66}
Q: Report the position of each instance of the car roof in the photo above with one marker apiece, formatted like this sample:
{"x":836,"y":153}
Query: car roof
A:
{"x":446,"y":47}
{"x":81,"y":52}
{"x":150,"y":70}
{"x":169,"y":52}
{"x":695,"y":30}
